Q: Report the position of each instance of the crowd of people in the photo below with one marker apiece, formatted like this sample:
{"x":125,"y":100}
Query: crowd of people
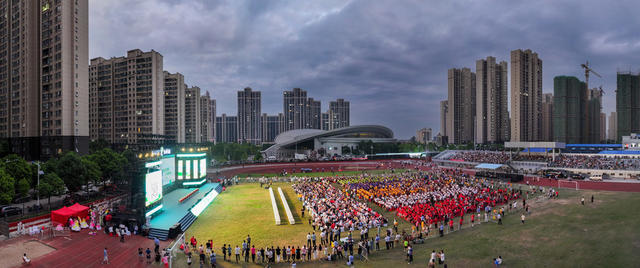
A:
{"x":561,"y":160}
{"x":481,"y":157}
{"x":333,"y":212}
{"x":431,"y":197}
{"x":595,"y":162}
{"x":338,"y":212}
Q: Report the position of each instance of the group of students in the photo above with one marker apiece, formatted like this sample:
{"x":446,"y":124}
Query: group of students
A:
{"x":332,"y":212}
{"x":437,"y":195}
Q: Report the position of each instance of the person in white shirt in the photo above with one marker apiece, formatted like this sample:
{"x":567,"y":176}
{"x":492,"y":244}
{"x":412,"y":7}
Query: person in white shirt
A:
{"x":433,"y":256}
{"x":26,"y":259}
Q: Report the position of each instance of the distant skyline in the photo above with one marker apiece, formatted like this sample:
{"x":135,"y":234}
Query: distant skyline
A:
{"x":388,"y":58}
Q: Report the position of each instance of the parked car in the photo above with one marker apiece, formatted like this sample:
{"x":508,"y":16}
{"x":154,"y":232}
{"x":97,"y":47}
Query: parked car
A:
{"x":11,"y":211}
{"x":576,"y":176}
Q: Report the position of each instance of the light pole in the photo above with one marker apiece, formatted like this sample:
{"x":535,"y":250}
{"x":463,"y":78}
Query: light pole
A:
{"x":38,"y":184}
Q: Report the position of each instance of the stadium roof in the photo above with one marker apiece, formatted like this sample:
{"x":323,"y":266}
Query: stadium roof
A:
{"x":619,"y":152}
{"x":364,"y":132}
{"x":536,"y":150}
{"x":489,"y":166}
{"x":534,"y":144}
{"x":593,"y":145}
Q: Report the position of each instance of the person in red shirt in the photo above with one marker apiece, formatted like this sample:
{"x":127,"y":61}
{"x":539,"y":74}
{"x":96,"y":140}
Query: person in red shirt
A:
{"x":472,"y":219}
{"x":451,"y":224}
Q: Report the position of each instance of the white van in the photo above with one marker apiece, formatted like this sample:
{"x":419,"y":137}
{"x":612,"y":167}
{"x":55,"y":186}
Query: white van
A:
{"x":596,"y":177}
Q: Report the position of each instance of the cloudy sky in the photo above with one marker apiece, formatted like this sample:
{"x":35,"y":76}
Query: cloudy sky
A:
{"x":389,"y":58}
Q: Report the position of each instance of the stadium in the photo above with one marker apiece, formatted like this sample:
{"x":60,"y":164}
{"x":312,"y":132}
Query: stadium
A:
{"x":306,"y":141}
{"x":320,"y":213}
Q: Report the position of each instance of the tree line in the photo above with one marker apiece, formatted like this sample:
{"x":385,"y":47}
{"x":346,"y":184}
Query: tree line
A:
{"x":69,"y":172}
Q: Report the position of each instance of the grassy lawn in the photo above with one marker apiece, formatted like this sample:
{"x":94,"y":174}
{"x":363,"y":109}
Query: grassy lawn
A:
{"x":246,"y":209}
{"x":558,"y":233}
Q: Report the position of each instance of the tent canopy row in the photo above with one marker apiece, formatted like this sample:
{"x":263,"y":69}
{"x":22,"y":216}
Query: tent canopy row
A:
{"x":63,"y":214}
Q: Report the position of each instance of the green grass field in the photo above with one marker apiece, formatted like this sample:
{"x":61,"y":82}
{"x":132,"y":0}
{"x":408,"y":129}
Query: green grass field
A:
{"x":558,"y":233}
{"x":246,"y":209}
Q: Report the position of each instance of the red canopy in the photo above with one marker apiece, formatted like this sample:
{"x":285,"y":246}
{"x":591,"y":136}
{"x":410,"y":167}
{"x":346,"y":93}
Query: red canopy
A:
{"x":79,"y":210}
{"x":62,"y":215}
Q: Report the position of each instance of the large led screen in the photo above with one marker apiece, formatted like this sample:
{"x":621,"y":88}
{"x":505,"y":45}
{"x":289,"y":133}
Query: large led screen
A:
{"x":203,"y":167}
{"x":168,"y":167}
{"x":180,"y":172}
{"x":188,"y":170}
{"x":153,"y":187}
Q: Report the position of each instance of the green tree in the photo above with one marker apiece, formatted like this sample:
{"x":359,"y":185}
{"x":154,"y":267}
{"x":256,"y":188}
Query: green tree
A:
{"x":72,"y":171}
{"x":17,"y":168}
{"x":109,"y":162}
{"x":50,"y":184}
{"x":22,"y":187}
{"x":92,"y":171}
{"x":7,"y":187}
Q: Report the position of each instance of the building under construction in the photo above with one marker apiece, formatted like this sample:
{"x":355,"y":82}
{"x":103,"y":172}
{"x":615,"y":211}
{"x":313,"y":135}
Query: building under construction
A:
{"x":628,"y":104}
{"x":576,"y":111}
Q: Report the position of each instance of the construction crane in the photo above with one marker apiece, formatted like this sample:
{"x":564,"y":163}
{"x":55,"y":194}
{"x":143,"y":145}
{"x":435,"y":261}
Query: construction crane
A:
{"x":588,"y":70}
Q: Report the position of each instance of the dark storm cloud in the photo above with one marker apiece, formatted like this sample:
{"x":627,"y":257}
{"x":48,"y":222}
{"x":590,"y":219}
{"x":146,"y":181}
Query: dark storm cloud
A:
{"x":389,"y":58}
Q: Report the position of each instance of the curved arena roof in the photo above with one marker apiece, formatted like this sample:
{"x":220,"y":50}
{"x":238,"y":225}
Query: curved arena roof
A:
{"x":293,"y":137}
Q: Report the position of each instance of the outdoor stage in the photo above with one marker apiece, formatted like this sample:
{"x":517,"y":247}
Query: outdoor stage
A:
{"x":173,"y":211}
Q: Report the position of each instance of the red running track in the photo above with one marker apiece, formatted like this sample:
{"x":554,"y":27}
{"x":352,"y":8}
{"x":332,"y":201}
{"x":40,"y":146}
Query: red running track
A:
{"x":84,"y":250}
{"x":315,"y":166}
{"x":587,"y":185}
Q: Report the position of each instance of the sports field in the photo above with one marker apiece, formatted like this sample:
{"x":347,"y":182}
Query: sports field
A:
{"x":246,"y":209}
{"x":558,"y":233}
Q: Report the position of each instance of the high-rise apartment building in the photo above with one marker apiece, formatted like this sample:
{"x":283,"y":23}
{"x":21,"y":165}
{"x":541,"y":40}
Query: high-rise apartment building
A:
{"x":295,"y":112}
{"x":44,"y":96}
{"x":603,"y":127}
{"x":569,"y":110}
{"x":491,"y":101}
{"x":206,"y":119}
{"x":444,"y":110}
{"x":213,"y":120}
{"x":594,"y":107}
{"x":627,"y":104}
{"x":249,"y":116}
{"x":613,"y":129}
{"x":127,"y":97}
{"x":547,"y":117}
{"x":315,"y":114}
{"x":461,"y":105}
{"x":271,"y":125}
{"x":339,"y":114}
{"x":174,"y":90}
{"x":526,"y":96}
{"x":423,"y":135}
{"x":192,"y":113}
{"x":325,"y":121}
{"x":226,"y":129}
